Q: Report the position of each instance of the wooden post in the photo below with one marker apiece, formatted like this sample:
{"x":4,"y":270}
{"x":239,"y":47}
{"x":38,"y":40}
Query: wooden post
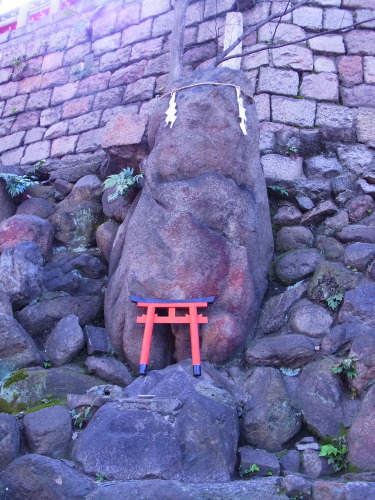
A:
{"x":23,"y":15}
{"x":177,"y":40}
{"x":233,"y":30}
{"x":55,"y":6}
{"x":147,"y":337}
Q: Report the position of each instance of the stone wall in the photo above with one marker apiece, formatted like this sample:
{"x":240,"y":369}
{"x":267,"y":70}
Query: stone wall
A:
{"x":63,"y":77}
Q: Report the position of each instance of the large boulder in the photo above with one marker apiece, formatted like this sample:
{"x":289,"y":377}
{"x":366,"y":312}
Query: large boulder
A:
{"x":21,"y":273}
{"x":200,"y":226}
{"x":187,"y":431}
{"x":37,"y":476}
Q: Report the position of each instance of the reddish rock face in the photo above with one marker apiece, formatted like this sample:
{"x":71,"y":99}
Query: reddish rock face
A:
{"x":200,"y":227}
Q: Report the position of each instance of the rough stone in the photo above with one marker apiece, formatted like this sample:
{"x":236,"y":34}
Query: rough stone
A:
{"x":124,"y":137}
{"x":65,"y":341}
{"x":300,"y":112}
{"x":320,"y":166}
{"x":363,"y":351}
{"x":269,"y":419}
{"x":176,"y":184}
{"x":350,"y":70}
{"x":331,"y":248}
{"x":97,"y":340}
{"x":17,"y":349}
{"x":309,"y":17}
{"x":278,"y":81}
{"x":294,"y":57}
{"x":48,"y":431}
{"x":287,"y":215}
{"x":328,"y":279}
{"x":41,"y":317}
{"x":22,"y":228}
{"x":35,"y":206}
{"x":358,"y":96}
{"x":356,"y":158}
{"x":36,"y":151}
{"x":318,"y":213}
{"x":292,"y":351}
{"x":360,"y":207}
{"x":359,"y":303}
{"x":9,"y":440}
{"x":264,"y":460}
{"x":191,"y":431}
{"x":361,"y":42}
{"x":290,"y":462}
{"x":44,"y":477}
{"x":297,"y":265}
{"x":328,"y":44}
{"x":41,"y":383}
{"x":334,"y":116}
{"x":274,"y":312}
{"x":321,"y":398}
{"x":281,"y":167}
{"x":364,"y":129}
{"x":337,"y":18}
{"x":341,"y":336}
{"x":21,"y":273}
{"x":105,"y":236}
{"x":293,"y":238}
{"x":311,"y":320}
{"x":313,"y":465}
{"x":109,"y":369}
{"x":294,"y":484}
{"x":321,"y":86}
{"x":334,"y":224}
{"x":357,"y":232}
{"x":369,"y":69}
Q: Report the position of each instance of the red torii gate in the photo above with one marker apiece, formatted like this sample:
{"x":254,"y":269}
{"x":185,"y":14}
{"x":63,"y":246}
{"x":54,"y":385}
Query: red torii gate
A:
{"x":151,"y":317}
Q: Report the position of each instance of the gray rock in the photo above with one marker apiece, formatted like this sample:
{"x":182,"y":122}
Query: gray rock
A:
{"x":320,"y":166}
{"x":36,"y":206}
{"x":63,"y":187}
{"x":39,"y":319}
{"x":96,"y":340}
{"x":48,"y":431}
{"x":109,"y":369}
{"x":320,"y":212}
{"x":340,"y":184}
{"x":330,"y":278}
{"x":21,"y":273}
{"x":37,"y":476}
{"x":40,"y":384}
{"x":88,"y":187}
{"x":115,"y":209}
{"x":266,"y":462}
{"x":73,"y":169}
{"x":359,"y":303}
{"x":292,"y":351}
{"x":9,"y":440}
{"x":311,"y":320}
{"x":17,"y":348}
{"x":355,"y":158}
{"x":305,"y":203}
{"x":274,"y":312}
{"x":321,"y":398}
{"x":293,"y":238}
{"x":269,"y":419}
{"x":65,"y":341}
{"x":190,"y":433}
{"x":359,"y":255}
{"x":333,"y":225}
{"x":313,"y":465}
{"x":359,"y":207}
{"x":297,"y":265}
{"x":361,"y":436}
{"x":331,"y":248}
{"x":290,"y":462}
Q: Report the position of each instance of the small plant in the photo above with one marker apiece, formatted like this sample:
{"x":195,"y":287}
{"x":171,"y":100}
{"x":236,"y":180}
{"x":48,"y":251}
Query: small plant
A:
{"x":47,"y":364}
{"x":336,"y":453}
{"x":19,"y":62}
{"x":99,"y":478}
{"x":278,"y":189}
{"x":248,"y":472}
{"x":346,"y":366}
{"x":334,"y":301}
{"x":121,"y":182}
{"x":291,"y":151}
{"x":80,"y":417}
{"x":15,"y":377}
{"x":13,"y":110}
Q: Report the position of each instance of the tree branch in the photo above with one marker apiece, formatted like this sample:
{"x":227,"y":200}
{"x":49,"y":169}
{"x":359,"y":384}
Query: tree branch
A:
{"x":221,"y":57}
{"x":285,"y":44}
